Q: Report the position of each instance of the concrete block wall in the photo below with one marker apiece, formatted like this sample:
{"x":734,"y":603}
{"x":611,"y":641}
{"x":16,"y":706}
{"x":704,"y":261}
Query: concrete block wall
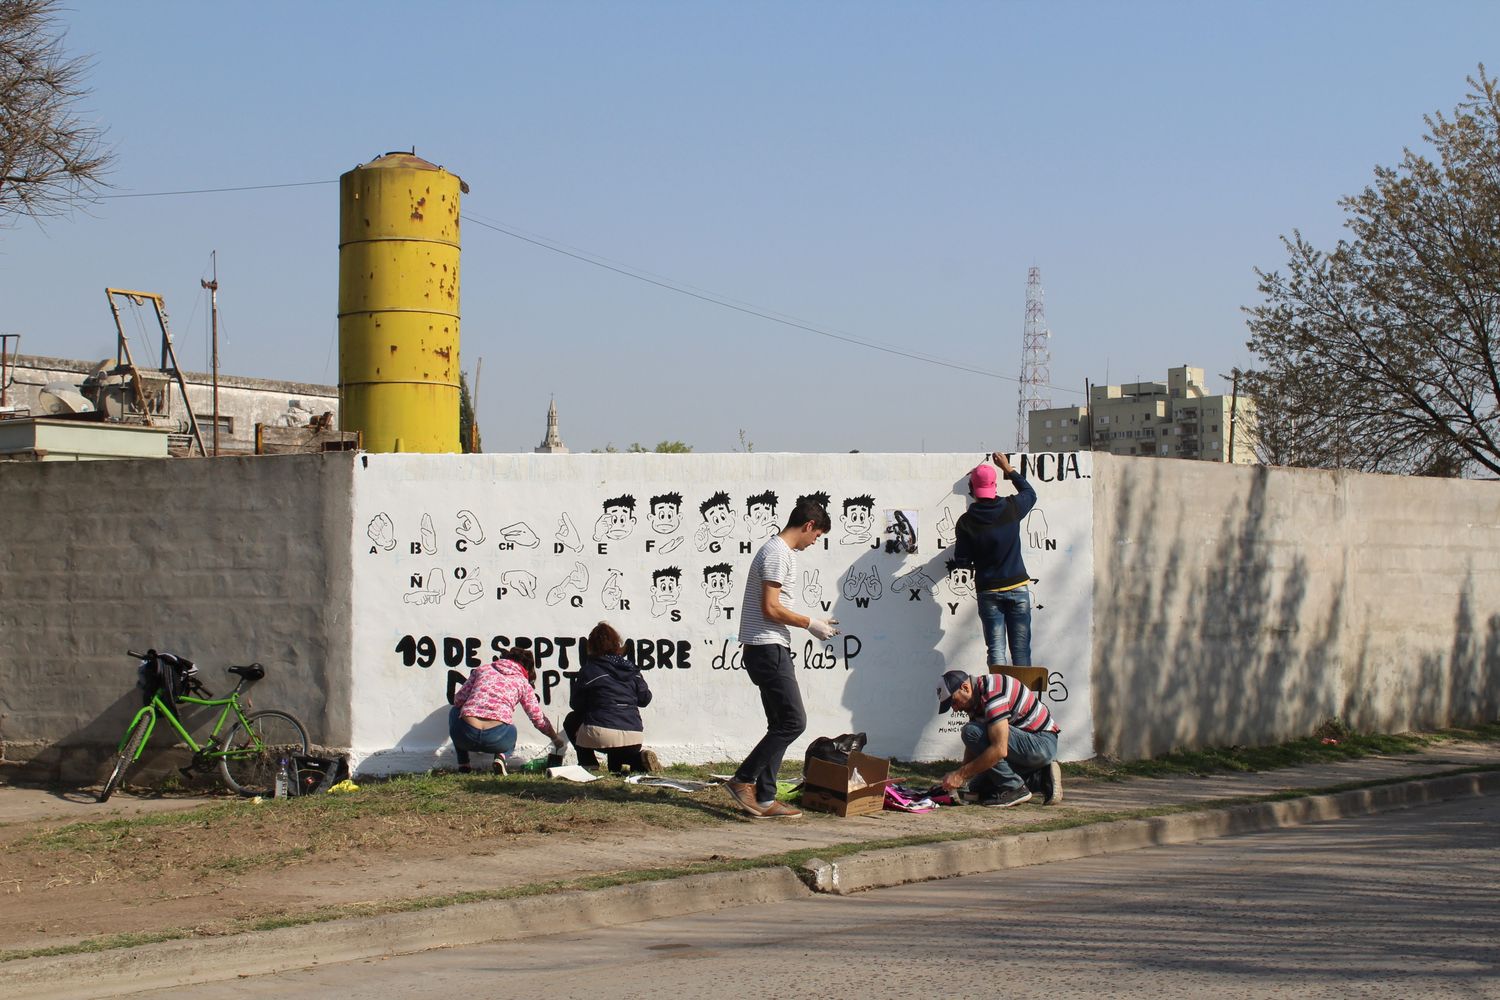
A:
{"x":224,"y":561}
{"x":1249,"y":605}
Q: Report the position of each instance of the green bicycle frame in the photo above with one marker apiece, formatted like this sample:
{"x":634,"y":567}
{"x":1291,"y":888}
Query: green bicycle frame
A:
{"x":229,"y":701}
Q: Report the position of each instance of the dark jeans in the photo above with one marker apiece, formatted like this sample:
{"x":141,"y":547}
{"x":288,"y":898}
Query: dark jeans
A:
{"x":1006,"y":617}
{"x":619,"y":757}
{"x":498,"y":740}
{"x":770,"y":667}
{"x":1026,"y":753}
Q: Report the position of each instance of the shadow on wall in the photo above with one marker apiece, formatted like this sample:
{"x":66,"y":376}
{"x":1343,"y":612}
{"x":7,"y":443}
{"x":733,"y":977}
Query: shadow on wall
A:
{"x":84,"y":756}
{"x":1251,"y":618}
{"x":1436,"y":689}
{"x":1206,"y":629}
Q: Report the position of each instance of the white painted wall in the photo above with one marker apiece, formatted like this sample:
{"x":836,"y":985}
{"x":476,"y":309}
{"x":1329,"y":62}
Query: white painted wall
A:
{"x":454,"y":556}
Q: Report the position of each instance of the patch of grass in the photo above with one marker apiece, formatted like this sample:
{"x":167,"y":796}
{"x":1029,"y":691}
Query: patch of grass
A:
{"x":235,"y":835}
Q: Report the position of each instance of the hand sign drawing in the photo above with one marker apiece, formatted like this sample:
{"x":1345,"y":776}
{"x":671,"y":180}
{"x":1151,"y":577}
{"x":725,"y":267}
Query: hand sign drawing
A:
{"x":430,"y":592}
{"x":469,"y":591}
{"x":567,"y":534}
{"x":946,"y":527}
{"x":576,"y":581}
{"x":429,"y":535}
{"x":812,"y":591}
{"x":468,"y":527}
{"x":851,"y":584}
{"x":915,"y":580}
{"x":381,"y":531}
{"x":520,"y":534}
{"x":610,"y":593}
{"x":519,"y":580}
{"x":873,"y":586}
{"x":1036,"y":528}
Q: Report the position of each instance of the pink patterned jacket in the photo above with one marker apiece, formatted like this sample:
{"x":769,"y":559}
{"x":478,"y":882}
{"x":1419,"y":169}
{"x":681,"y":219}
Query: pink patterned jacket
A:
{"x":493,"y":691}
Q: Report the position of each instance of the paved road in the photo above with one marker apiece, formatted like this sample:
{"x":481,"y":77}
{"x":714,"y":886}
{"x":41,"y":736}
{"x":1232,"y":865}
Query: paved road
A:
{"x":1403,"y":904}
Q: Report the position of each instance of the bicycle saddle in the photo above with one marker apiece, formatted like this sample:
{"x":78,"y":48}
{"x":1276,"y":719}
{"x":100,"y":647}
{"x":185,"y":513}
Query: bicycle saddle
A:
{"x":253,"y":672}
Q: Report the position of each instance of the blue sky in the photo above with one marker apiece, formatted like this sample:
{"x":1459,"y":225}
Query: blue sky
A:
{"x":887,"y":171}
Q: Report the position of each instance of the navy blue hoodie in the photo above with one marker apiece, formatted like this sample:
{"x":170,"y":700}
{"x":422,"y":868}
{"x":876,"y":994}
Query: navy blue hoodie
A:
{"x":609,"y":692}
{"x":989,"y":538}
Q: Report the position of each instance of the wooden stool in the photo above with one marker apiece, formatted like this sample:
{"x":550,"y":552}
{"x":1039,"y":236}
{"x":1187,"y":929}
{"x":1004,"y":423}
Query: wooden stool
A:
{"x":1032,"y":677}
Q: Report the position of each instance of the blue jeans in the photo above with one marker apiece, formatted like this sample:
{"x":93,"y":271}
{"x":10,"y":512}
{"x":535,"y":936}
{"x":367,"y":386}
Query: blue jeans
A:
{"x":498,"y":740}
{"x":1006,"y":614}
{"x":1027,"y":753}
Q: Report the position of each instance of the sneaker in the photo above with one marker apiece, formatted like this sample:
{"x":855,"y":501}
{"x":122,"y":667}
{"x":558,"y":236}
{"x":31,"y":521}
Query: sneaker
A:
{"x":1007,"y":797}
{"x":499,"y":767}
{"x":743,"y":793}
{"x":464,"y":769}
{"x":650,"y":762}
{"x":780,"y":810}
{"x":1050,"y":781}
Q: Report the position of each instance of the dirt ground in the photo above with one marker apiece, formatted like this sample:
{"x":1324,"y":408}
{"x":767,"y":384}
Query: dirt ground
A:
{"x":183,"y":876}
{"x":51,"y":897}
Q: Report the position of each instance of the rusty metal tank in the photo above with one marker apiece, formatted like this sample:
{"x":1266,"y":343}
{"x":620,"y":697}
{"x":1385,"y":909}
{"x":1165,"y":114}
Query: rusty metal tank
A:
{"x":398,"y":304}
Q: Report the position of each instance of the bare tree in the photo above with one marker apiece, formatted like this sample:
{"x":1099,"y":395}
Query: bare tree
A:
{"x":49,"y":156}
{"x":1383,"y":354}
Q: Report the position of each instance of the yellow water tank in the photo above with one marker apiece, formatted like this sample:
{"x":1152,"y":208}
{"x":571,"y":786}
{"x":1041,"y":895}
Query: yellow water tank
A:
{"x":398,"y":304}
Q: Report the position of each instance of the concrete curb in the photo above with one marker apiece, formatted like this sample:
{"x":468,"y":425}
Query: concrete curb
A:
{"x":205,"y":960}
{"x":898,"y":866}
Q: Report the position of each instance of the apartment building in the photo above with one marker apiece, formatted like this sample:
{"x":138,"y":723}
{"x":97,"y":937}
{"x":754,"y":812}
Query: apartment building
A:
{"x":1177,"y":418}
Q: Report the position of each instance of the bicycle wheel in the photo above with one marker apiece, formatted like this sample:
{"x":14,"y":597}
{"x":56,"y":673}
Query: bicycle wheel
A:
{"x":252,"y":757}
{"x":128,"y":751}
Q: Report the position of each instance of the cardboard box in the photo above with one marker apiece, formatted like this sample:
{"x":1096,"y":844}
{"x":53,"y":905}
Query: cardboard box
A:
{"x":1032,"y":677}
{"x":853,"y":789}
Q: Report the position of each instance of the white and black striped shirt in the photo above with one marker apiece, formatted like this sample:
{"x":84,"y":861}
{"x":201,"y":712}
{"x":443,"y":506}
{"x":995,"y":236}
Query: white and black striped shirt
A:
{"x":774,"y":563}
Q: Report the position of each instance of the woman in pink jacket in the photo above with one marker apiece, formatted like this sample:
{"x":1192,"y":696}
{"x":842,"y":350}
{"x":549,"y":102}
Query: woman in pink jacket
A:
{"x":480,"y":719}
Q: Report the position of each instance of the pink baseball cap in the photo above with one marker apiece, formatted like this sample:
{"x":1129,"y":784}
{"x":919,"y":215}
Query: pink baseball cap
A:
{"x":982,"y":482}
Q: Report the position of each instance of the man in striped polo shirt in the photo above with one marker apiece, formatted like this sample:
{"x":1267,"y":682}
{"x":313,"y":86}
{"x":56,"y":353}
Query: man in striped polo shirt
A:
{"x":1010,"y":741}
{"x":766,"y":620}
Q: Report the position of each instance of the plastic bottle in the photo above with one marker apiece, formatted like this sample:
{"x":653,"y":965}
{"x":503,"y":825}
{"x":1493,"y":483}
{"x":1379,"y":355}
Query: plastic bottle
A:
{"x":282,"y":787}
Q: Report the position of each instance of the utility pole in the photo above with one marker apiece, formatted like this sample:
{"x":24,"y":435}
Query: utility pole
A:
{"x":213,"y":313}
{"x":474,"y":409}
{"x":1036,"y":357}
{"x":1234,"y":398}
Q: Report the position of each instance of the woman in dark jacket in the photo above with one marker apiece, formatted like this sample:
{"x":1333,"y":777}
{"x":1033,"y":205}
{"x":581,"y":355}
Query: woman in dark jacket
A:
{"x":606,"y":701}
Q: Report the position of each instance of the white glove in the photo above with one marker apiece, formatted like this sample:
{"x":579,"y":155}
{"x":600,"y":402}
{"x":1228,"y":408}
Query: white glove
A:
{"x":823,"y":628}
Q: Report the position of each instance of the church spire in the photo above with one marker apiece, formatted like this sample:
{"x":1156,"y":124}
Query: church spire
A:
{"x":552,"y":443}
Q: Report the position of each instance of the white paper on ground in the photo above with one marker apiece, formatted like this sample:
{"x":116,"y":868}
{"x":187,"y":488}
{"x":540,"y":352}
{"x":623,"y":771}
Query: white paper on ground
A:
{"x":571,"y":772}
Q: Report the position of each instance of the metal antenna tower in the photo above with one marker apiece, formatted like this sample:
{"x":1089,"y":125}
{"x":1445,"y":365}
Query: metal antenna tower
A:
{"x":1036,"y":357}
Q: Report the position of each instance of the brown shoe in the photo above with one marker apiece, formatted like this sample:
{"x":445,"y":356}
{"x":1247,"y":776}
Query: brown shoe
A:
{"x":743,"y":793}
{"x":780,"y":810}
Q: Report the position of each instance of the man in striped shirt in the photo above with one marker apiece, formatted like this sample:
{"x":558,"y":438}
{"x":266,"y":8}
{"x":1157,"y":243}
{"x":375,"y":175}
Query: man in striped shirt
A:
{"x":1010,"y":741}
{"x":766,"y":621}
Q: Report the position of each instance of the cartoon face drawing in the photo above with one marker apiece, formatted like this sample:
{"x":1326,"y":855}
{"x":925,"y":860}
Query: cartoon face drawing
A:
{"x":961,"y":579}
{"x":717,"y":514}
{"x":618,"y":519}
{"x":665,"y":586}
{"x":716,"y":580}
{"x":760,"y":515}
{"x":666,"y":513}
{"x":858,"y":518}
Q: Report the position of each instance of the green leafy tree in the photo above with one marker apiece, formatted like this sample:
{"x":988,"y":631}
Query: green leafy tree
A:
{"x":49,"y":156}
{"x":468,"y":429}
{"x":1380,"y":354}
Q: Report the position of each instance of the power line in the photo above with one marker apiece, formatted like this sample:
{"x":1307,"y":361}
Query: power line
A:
{"x":715,"y":298}
{"x":629,"y":271}
{"x":223,"y":190}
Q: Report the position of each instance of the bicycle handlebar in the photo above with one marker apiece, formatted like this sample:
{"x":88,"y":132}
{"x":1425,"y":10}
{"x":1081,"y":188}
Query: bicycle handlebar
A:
{"x":138,"y":656}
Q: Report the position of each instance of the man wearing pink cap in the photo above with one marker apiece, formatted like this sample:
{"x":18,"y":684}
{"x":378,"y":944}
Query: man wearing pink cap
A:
{"x":988,"y":541}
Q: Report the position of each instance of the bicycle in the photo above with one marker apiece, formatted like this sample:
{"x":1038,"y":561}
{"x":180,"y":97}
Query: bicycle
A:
{"x":254,"y":750}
